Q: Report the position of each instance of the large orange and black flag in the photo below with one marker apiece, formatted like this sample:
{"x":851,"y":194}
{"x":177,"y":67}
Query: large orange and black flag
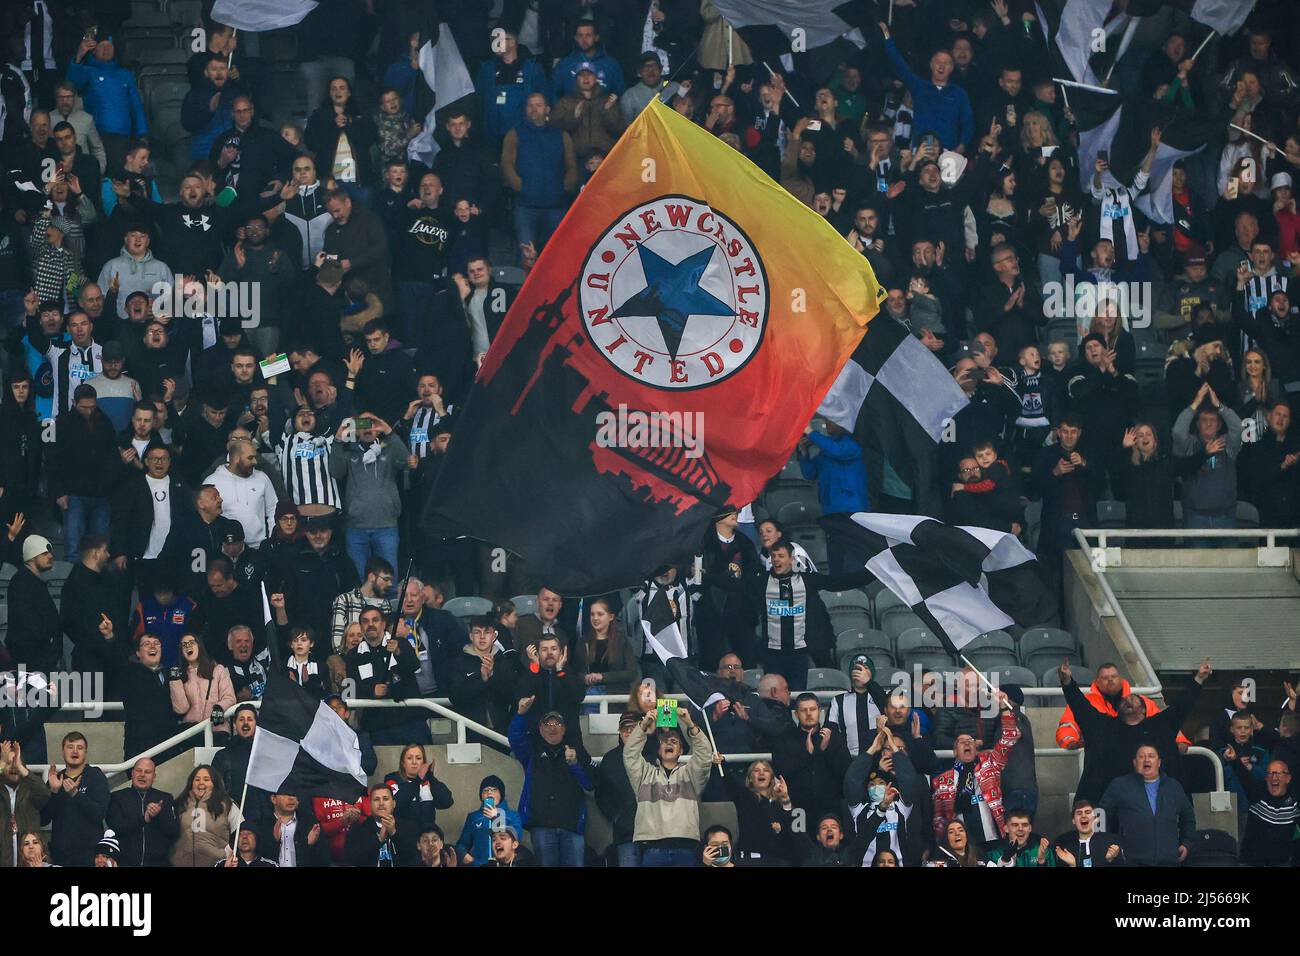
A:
{"x":658,"y":366}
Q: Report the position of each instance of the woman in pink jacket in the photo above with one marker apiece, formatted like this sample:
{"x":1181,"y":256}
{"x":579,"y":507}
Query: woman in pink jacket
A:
{"x":199,"y":684}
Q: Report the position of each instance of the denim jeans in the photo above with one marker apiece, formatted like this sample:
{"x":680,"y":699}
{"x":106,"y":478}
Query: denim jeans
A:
{"x":792,"y":665}
{"x":316,"y":76}
{"x":536,"y":225}
{"x":84,"y":516}
{"x":627,"y":854}
{"x":555,"y":847}
{"x":366,"y":542}
{"x":1196,"y":519}
{"x":663,"y":856}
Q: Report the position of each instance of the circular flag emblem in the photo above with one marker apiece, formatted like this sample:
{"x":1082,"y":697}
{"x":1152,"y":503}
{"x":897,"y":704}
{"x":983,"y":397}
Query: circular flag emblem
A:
{"x":674,"y":295}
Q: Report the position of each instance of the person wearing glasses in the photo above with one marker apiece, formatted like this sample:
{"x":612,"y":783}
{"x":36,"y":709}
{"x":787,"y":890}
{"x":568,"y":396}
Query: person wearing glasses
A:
{"x":1269,"y":836}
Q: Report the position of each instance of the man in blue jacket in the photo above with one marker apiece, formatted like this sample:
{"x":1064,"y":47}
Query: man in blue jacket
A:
{"x":207,"y":110}
{"x":111,"y":98}
{"x":552,"y":804}
{"x":1150,"y":813}
{"x":590,"y":53}
{"x":504,"y":83}
{"x":938,"y":104}
{"x":841,"y":477}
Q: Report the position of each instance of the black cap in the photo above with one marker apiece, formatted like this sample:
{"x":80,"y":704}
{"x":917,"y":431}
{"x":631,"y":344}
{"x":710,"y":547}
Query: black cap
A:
{"x":112,"y":352}
{"x":234,"y":534}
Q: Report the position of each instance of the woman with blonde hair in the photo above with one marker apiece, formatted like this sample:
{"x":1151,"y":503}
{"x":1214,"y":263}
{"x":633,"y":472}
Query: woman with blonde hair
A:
{"x":338,"y":670}
{"x":1110,"y":325}
{"x":1258,"y":391}
{"x":765,"y":814}
{"x":1188,"y":366}
{"x":608,"y":659}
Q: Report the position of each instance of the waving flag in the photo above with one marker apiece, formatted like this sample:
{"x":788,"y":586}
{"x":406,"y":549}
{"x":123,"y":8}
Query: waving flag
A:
{"x":302,"y":747}
{"x":445,"y":72}
{"x":659,"y":365}
{"x":255,"y":15}
{"x":961,"y":581}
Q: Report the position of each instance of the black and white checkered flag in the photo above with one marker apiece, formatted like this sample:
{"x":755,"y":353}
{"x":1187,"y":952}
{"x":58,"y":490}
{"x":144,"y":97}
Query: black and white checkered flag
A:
{"x":961,"y":581}
{"x":302,"y":747}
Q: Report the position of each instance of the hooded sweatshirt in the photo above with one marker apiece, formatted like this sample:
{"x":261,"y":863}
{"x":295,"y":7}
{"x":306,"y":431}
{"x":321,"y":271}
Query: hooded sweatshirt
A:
{"x":135,"y":275}
{"x":372,"y":500}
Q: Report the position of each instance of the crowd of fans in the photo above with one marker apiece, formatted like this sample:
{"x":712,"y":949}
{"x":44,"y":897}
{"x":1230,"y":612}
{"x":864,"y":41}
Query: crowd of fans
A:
{"x":227,"y":517}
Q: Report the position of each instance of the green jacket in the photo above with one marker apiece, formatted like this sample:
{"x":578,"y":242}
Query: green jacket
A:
{"x":1026,"y":857}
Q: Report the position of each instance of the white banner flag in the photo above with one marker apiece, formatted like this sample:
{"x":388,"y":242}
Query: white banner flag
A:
{"x":255,"y":15}
{"x":445,"y":72}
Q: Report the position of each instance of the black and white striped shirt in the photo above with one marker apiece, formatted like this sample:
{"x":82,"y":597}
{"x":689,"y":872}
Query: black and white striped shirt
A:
{"x":786,"y":609}
{"x":304,"y":462}
{"x":422,"y":425}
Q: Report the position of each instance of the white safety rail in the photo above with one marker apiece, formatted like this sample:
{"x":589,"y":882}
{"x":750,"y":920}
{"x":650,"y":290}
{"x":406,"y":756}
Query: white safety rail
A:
{"x":1100,"y":560}
{"x":463,"y":724}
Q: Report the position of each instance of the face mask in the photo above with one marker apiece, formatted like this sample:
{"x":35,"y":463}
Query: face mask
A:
{"x":875,"y":794}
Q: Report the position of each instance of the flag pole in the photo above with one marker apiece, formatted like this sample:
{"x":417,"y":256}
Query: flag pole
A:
{"x":772,"y":72}
{"x":1066,"y":95}
{"x":1266,"y":142}
{"x":1086,"y":86}
{"x":978,"y":673}
{"x":708,"y":729}
{"x":401,"y":596}
{"x":1204,"y":43}
{"x":730,"y":46}
{"x":890,"y":20}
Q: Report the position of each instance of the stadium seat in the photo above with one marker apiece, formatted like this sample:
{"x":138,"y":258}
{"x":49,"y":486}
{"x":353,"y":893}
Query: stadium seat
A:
{"x":929,"y":660}
{"x":525,"y":603}
{"x":852,"y":598}
{"x":827,"y":678}
{"x":885,"y":603}
{"x":850,"y":619}
{"x":1111,"y":514}
{"x":1083,"y":676}
{"x":186,"y":13}
{"x":813,"y":539}
{"x":781,"y":492}
{"x":1042,"y":647}
{"x":790,"y":471}
{"x":464,"y":607}
{"x":1247,"y":515}
{"x":867,"y":639}
{"x":993,"y":649}
{"x":798,"y":512}
{"x":508,"y":275}
{"x":1021,"y":676}
{"x":898,"y":622}
{"x":1211,"y":848}
{"x":753,"y":675}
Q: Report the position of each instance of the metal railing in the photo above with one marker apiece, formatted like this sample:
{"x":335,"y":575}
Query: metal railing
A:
{"x":465,"y":724}
{"x":203,"y":727}
{"x":1103,"y":535}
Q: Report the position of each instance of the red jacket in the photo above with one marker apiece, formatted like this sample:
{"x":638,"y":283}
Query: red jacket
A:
{"x":988,"y":777}
{"x":329,"y":813}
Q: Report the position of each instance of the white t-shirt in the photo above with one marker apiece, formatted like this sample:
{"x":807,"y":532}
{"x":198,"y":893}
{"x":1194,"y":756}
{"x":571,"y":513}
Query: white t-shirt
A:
{"x":160,"y":490}
{"x":251,"y":501}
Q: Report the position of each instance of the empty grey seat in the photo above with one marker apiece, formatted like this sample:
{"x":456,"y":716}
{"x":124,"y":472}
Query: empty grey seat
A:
{"x":851,"y":598}
{"x":994,"y":649}
{"x":463,"y":607}
{"x":1022,"y":676}
{"x":813,"y":539}
{"x":917,"y":638}
{"x":927,"y":660}
{"x":798,"y":512}
{"x":862,"y":639}
{"x":1083,"y":676}
{"x":1041,"y":647}
{"x":781,"y":492}
{"x":1111,"y":514}
{"x":827,"y":678}
{"x":850,"y":619}
{"x":508,"y":275}
{"x":898,"y":622}
{"x":753,"y":675}
{"x":884,"y":601}
{"x":1247,"y":515}
{"x":525,"y":603}
{"x":790,"y":471}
